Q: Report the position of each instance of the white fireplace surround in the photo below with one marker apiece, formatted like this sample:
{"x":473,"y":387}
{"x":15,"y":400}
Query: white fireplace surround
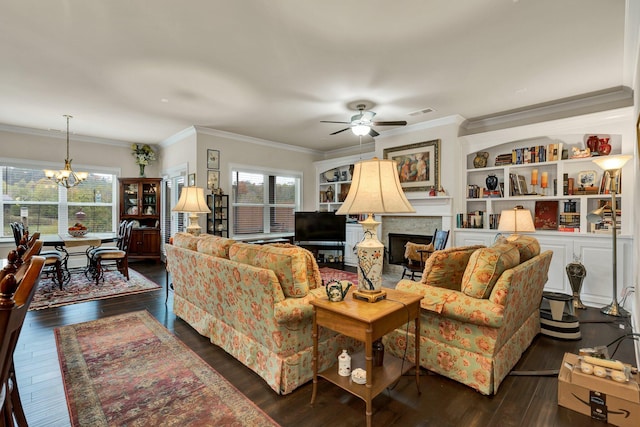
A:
{"x":437,"y":206}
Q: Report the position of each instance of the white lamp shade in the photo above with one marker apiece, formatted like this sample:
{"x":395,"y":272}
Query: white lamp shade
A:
{"x":516,"y":221}
{"x":192,"y":200}
{"x":612,"y":162}
{"x":375,"y":188}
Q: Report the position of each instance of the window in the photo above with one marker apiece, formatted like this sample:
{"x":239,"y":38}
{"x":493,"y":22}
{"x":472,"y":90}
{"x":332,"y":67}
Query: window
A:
{"x":264,"y":202}
{"x":44,"y":206}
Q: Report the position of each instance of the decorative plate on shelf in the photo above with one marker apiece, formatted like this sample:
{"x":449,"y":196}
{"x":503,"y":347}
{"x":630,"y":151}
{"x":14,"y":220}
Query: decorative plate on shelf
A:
{"x":331,"y":175}
{"x":587,"y":178}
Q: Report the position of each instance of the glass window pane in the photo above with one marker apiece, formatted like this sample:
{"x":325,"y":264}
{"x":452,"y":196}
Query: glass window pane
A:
{"x":248,"y":187}
{"x":282,"y":220}
{"x":248,"y":220}
{"x":98,"y":188}
{"x":28,"y":185}
{"x":42,"y":217}
{"x":97,"y":219}
{"x":285,"y":190}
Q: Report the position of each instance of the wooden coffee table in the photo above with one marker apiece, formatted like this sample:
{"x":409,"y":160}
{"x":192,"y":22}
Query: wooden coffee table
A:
{"x":367,"y":322}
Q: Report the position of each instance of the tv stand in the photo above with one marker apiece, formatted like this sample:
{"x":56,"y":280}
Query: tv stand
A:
{"x":322,"y":251}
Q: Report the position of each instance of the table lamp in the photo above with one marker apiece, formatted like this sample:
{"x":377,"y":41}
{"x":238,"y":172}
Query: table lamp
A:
{"x":192,"y":201}
{"x":611,"y":165}
{"x":516,"y":220}
{"x":375,"y":188}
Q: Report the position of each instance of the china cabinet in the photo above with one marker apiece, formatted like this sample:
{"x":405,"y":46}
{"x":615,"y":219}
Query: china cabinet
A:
{"x":140,"y":203}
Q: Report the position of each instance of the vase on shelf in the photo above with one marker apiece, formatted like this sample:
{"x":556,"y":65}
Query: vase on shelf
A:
{"x":604,"y":148}
{"x":141,"y":171}
{"x":492,"y":182}
{"x":592,"y":143}
{"x":480,"y":161}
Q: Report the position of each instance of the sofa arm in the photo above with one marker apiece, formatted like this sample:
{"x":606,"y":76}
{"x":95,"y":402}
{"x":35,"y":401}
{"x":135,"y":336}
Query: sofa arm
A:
{"x":455,"y":305}
{"x":296,"y":309}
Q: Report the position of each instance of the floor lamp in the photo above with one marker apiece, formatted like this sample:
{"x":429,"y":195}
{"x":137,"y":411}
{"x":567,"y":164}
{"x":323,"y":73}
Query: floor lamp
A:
{"x":192,"y":201}
{"x":375,"y":188}
{"x":611,"y":165}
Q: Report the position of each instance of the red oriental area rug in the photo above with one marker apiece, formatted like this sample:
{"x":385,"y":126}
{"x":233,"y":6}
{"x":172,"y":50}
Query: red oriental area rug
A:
{"x":130,"y":370}
{"x":329,"y":273}
{"x":80,"y":289}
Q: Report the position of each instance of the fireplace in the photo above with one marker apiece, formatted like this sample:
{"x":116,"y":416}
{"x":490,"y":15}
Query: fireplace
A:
{"x":397,"y":242}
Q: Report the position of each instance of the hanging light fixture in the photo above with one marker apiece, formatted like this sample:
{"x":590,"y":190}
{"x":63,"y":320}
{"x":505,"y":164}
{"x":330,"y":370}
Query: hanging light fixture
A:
{"x":66,"y":177}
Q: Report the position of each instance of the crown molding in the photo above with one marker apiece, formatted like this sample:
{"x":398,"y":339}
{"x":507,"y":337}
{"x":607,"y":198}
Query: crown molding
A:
{"x":593,"y":102}
{"x":256,"y":141}
{"x":63,"y":135}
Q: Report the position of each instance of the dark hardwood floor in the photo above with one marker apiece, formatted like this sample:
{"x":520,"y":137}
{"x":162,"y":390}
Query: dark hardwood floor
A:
{"x":521,"y":400}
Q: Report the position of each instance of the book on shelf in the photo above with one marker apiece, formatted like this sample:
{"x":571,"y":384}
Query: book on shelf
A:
{"x":568,"y":229}
{"x":546,"y":215}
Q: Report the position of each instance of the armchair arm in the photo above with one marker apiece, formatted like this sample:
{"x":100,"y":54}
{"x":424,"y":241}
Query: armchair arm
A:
{"x":455,"y":305}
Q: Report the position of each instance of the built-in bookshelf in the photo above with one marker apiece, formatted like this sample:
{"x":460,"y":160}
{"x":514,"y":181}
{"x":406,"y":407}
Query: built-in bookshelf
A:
{"x":536,"y":174}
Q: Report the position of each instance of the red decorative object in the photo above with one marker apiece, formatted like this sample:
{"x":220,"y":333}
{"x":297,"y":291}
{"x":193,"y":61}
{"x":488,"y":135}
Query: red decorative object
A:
{"x":592,"y":143}
{"x":604,"y":148}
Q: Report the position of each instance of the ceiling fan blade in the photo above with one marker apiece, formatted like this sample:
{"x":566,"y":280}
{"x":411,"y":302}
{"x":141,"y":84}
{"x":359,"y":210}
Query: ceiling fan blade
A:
{"x":342,"y":130}
{"x":373,"y":133}
{"x":327,"y":121}
{"x":396,"y":123}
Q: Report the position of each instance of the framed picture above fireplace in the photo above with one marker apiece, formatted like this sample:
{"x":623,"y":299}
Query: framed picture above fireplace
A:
{"x":418,"y":165}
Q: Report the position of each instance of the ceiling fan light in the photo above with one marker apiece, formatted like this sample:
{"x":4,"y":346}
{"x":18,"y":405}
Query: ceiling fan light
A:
{"x":360,"y":130}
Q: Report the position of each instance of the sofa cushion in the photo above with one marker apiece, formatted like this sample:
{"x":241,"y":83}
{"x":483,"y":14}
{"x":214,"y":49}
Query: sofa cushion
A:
{"x":485,"y":267}
{"x":289,"y":264}
{"x":313,"y":272}
{"x":444,"y":269}
{"x":186,"y":241}
{"x":215,"y":245}
{"x":412,"y":253}
{"x":528,"y":247}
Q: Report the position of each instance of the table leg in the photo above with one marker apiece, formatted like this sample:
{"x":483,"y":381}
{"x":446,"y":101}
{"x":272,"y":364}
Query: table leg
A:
{"x":369,"y":366}
{"x":417,"y":336}
{"x":314,"y":358}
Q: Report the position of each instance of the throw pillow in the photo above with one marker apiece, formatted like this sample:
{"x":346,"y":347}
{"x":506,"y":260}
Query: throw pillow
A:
{"x":215,"y":246}
{"x":444,"y":269}
{"x":528,"y":247}
{"x":485,"y":267}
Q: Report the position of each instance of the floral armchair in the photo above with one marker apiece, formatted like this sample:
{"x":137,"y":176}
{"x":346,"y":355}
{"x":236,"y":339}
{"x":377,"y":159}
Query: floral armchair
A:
{"x":480,"y":311}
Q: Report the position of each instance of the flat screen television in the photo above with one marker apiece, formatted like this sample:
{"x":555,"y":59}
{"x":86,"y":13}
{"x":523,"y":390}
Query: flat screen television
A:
{"x":320,"y":227}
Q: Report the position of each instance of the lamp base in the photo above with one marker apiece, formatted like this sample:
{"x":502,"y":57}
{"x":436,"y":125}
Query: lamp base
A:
{"x":194,"y":228}
{"x":614,"y":309}
{"x":369,"y":296}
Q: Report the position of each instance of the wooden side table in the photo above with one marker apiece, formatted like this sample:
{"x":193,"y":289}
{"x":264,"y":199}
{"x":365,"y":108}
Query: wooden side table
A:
{"x":367,"y":322}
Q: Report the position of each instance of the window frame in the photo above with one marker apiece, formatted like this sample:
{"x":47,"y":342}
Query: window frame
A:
{"x":62,"y":203}
{"x":266,"y":205}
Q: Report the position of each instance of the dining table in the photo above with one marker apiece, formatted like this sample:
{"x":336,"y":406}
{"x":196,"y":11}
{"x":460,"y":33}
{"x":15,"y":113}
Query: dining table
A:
{"x":63,"y":242}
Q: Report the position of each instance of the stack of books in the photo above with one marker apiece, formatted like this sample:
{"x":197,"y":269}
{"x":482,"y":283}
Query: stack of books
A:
{"x":569,"y":222}
{"x":503,"y":159}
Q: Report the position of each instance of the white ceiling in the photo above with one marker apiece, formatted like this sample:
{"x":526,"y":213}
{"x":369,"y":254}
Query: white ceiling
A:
{"x":142,"y":71}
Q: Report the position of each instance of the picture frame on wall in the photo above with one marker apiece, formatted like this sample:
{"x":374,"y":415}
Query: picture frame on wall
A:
{"x":418,"y":165}
{"x":213,"y":159}
{"x":191,"y":181}
{"x":213,"y":180}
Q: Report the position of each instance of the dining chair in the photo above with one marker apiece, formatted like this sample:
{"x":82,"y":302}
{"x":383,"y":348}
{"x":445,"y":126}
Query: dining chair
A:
{"x":414,"y":268}
{"x":118,"y":257}
{"x":18,"y":283}
{"x":92,"y":251}
{"x":53,"y":266}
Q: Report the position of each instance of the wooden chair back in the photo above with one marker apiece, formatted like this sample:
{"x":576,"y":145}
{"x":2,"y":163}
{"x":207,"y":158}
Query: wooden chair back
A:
{"x":17,"y":287}
{"x":440,"y":238}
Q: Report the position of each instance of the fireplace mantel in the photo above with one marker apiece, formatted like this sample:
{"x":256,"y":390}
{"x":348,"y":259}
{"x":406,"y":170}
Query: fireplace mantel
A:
{"x":430,"y":206}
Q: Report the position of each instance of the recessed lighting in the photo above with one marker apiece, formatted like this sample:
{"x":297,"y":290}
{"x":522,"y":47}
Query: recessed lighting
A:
{"x":165,"y":100}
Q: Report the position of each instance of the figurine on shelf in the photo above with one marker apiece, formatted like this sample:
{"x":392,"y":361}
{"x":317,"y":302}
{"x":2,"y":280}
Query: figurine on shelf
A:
{"x":577,"y":153}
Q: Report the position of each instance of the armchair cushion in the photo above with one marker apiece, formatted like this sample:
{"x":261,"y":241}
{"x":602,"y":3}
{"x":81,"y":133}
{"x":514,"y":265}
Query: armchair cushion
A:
{"x":485,"y":267}
{"x":186,"y":241}
{"x":527,"y":246}
{"x":445,"y":268}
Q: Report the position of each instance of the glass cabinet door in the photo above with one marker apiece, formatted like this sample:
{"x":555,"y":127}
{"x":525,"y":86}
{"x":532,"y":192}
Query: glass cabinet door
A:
{"x":131,"y":195}
{"x":149,"y":199}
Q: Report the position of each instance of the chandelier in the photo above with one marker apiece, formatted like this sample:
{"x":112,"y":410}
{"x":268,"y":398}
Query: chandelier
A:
{"x":66,"y":177}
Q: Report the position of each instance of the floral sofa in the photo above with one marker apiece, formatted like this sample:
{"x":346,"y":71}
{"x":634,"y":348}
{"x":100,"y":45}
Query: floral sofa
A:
{"x":480,"y":311}
{"x":253,"y":301}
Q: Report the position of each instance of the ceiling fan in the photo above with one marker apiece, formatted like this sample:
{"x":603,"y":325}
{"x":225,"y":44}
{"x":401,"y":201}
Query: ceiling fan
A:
{"x":362,"y":123}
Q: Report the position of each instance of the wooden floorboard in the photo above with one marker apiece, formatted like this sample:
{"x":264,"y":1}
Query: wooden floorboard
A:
{"x":521,"y":400}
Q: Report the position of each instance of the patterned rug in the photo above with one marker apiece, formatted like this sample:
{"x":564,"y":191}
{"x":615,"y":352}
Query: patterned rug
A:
{"x":81,"y":289}
{"x":130,"y":370}
{"x":329,"y":273}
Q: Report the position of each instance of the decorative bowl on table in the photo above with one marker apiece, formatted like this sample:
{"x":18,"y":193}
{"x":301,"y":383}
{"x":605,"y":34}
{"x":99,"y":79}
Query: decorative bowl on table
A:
{"x":359,"y":376}
{"x":77,"y":231}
